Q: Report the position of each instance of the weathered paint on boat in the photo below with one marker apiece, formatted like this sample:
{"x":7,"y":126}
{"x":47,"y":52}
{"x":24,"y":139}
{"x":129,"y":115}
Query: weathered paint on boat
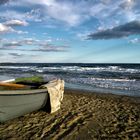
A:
{"x":15,"y":103}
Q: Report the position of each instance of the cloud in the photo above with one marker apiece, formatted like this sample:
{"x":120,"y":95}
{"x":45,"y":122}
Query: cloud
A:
{"x":15,"y":54}
{"x":49,"y":10}
{"x":5,"y":29}
{"x":46,"y":47}
{"x":135,"y":41}
{"x":60,"y":11}
{"x":40,"y":45}
{"x":51,"y":48}
{"x":75,"y":12}
{"x":12,"y":15}
{"x":23,"y":18}
{"x":127,"y":5}
{"x":131,"y":28}
{"x":3,"y":1}
{"x":7,"y":44}
{"x":29,"y":41}
{"x":12,"y":44}
{"x":16,"y":23}
{"x":21,"y":32}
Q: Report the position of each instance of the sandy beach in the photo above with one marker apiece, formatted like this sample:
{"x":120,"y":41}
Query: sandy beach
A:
{"x":83,"y":116}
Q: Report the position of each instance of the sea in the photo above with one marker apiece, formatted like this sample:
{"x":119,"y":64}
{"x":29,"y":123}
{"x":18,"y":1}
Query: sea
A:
{"x":121,"y":79}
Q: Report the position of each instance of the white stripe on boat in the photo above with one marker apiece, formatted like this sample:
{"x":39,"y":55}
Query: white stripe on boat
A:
{"x":6,"y":81}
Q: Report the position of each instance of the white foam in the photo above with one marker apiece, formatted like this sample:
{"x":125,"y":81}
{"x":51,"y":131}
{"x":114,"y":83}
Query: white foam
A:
{"x":124,"y":84}
{"x":14,"y":67}
{"x":117,"y":80}
{"x":74,"y":68}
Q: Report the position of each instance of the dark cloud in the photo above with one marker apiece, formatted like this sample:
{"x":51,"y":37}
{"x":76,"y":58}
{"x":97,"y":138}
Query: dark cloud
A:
{"x":12,"y":44}
{"x":15,"y":54}
{"x":3,"y":1}
{"x":131,"y":28}
{"x":41,"y":46}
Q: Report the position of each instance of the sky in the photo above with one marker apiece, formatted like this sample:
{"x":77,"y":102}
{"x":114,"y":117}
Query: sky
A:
{"x":70,"y":31}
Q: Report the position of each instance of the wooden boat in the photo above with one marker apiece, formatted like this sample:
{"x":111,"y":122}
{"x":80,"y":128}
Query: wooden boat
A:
{"x":15,"y":103}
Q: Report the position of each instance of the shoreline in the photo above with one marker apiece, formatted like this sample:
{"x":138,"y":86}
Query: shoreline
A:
{"x":102,"y":95}
{"x":83,"y":115}
{"x":103,"y":90}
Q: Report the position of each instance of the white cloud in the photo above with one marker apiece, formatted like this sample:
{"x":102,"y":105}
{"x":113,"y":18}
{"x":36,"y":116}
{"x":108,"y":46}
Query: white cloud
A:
{"x":96,"y":9}
{"x":20,"y":32}
{"x":12,"y":15}
{"x":83,"y":36}
{"x":135,"y":40}
{"x":5,"y":43}
{"x":34,"y":15}
{"x":5,"y":29}
{"x":16,"y":23}
{"x":74,"y":13}
{"x":61,"y":11}
{"x":64,"y":12}
{"x":29,"y":41}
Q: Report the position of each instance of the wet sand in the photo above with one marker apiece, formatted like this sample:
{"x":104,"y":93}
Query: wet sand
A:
{"x":83,"y":116}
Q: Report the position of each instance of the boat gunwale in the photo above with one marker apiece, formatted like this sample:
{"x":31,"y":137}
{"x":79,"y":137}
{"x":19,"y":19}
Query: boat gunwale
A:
{"x":22,"y":92}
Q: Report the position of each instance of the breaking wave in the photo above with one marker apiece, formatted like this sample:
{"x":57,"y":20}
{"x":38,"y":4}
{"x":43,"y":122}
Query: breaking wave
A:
{"x":107,"y":76}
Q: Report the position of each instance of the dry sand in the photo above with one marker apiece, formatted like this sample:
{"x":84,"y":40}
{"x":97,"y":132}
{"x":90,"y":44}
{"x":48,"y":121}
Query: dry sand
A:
{"x":83,"y":116}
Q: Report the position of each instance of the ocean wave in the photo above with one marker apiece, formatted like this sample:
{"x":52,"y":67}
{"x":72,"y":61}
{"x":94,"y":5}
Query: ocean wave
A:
{"x":103,"y":76}
{"x":116,"y":80}
{"x":92,"y":69}
{"x":125,"y":84}
{"x":14,"y":67}
{"x":79,"y":69}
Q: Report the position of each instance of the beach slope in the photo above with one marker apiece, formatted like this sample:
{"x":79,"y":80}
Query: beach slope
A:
{"x":83,"y":115}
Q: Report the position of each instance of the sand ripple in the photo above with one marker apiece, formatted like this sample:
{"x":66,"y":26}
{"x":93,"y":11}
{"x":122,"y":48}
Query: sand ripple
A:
{"x":81,"y":117}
